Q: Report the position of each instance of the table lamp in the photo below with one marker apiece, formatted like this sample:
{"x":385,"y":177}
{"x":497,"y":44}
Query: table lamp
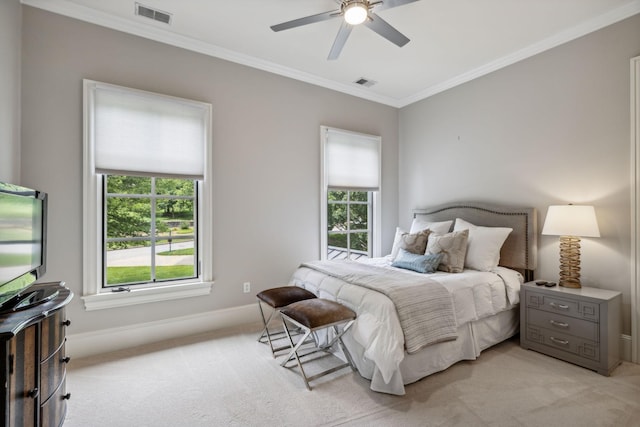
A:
{"x":570,"y":222}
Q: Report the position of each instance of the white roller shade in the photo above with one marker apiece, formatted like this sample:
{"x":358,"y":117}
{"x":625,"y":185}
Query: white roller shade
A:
{"x":137,"y":132}
{"x":351,"y":160}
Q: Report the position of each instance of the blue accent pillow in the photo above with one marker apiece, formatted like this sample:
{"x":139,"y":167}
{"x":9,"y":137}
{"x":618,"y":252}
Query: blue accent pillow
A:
{"x":420,"y":263}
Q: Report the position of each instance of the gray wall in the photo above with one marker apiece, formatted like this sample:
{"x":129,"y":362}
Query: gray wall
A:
{"x":10,"y":47}
{"x":265,"y":146}
{"x":552,"y":129}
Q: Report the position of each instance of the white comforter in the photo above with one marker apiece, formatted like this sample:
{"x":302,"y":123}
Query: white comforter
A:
{"x":475,"y":295}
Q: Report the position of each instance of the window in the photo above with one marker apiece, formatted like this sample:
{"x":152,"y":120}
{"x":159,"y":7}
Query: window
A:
{"x":350,"y":189}
{"x":147,"y":197}
{"x":349,"y":234}
{"x":150,"y":232}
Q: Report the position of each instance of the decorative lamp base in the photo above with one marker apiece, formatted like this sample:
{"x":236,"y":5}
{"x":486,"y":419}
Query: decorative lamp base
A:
{"x":570,"y":262}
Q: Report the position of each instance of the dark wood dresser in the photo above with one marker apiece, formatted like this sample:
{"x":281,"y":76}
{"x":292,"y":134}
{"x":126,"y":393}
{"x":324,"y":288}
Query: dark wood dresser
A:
{"x":33,"y":372}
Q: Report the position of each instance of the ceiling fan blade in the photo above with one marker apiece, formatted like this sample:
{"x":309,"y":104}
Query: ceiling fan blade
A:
{"x":341,"y":39}
{"x":306,"y":20}
{"x":383,"y":28}
{"x":388,"y":4}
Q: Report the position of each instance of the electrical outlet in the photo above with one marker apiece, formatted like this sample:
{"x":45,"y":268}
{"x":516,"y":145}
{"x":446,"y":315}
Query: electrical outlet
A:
{"x":246,"y":287}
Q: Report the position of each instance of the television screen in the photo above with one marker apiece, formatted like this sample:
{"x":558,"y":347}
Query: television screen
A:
{"x":22,"y":238}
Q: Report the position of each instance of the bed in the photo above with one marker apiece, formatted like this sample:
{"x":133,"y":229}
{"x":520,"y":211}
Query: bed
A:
{"x":484,"y":303}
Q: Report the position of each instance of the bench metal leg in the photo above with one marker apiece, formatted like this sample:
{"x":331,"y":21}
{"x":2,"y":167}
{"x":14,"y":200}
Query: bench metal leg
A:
{"x":295,"y":347}
{"x":268,"y":337}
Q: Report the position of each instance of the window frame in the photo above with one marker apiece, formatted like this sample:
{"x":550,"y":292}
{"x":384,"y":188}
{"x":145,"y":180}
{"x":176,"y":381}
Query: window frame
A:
{"x":96,"y":297}
{"x":375,"y":210}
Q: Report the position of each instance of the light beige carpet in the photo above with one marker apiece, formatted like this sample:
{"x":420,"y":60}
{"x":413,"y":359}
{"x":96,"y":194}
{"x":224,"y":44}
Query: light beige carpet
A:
{"x":226,"y":378}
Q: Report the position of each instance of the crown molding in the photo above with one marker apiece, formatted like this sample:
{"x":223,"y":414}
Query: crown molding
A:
{"x":83,"y":13}
{"x":565,"y":36}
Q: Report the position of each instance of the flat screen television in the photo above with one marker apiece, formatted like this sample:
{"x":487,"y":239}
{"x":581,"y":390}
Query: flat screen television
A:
{"x":23,"y":241}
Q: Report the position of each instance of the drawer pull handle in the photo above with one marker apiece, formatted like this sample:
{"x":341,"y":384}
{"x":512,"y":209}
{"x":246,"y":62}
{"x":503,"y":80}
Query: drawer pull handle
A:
{"x":66,"y":323}
{"x":559,"y":306}
{"x":559,"y":324}
{"x":557,"y":341}
{"x":33,"y":393}
{"x":66,"y":396}
{"x":66,"y":360}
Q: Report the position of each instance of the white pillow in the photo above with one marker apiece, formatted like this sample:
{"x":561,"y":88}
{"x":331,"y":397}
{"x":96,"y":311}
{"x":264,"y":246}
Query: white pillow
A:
{"x":396,"y":242}
{"x":441,"y":227}
{"x":483,"y":248}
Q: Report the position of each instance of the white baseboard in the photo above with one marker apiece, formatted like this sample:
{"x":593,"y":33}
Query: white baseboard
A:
{"x":106,"y":340}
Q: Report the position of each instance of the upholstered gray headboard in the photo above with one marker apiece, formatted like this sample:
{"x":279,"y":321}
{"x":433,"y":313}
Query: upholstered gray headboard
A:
{"x":519,"y":251}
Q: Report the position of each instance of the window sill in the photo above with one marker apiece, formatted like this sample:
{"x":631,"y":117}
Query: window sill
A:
{"x":142,"y":296}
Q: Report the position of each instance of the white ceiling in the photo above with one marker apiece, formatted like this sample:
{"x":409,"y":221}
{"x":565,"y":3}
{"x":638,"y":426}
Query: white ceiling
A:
{"x":452,"y":41}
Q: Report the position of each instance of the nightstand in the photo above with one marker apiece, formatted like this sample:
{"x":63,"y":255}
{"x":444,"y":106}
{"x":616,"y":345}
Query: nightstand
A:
{"x":581,"y":326}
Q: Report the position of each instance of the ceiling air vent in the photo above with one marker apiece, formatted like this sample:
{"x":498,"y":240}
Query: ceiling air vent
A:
{"x":363,"y":81}
{"x":156,"y":15}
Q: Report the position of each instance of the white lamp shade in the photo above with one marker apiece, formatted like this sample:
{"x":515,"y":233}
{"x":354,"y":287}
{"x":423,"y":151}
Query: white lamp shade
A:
{"x":571,"y":220}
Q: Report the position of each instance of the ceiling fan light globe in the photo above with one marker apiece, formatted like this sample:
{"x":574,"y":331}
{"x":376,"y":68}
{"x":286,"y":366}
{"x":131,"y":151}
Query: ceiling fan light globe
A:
{"x":355,"y":13}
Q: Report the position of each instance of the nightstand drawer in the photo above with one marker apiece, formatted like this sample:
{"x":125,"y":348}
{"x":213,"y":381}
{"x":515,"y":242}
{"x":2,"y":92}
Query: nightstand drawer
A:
{"x":564,"y":324}
{"x":569,"y":343}
{"x":569,"y":307}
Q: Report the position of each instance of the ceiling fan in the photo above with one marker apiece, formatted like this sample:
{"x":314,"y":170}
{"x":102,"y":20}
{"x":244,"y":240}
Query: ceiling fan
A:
{"x":354,"y":12}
